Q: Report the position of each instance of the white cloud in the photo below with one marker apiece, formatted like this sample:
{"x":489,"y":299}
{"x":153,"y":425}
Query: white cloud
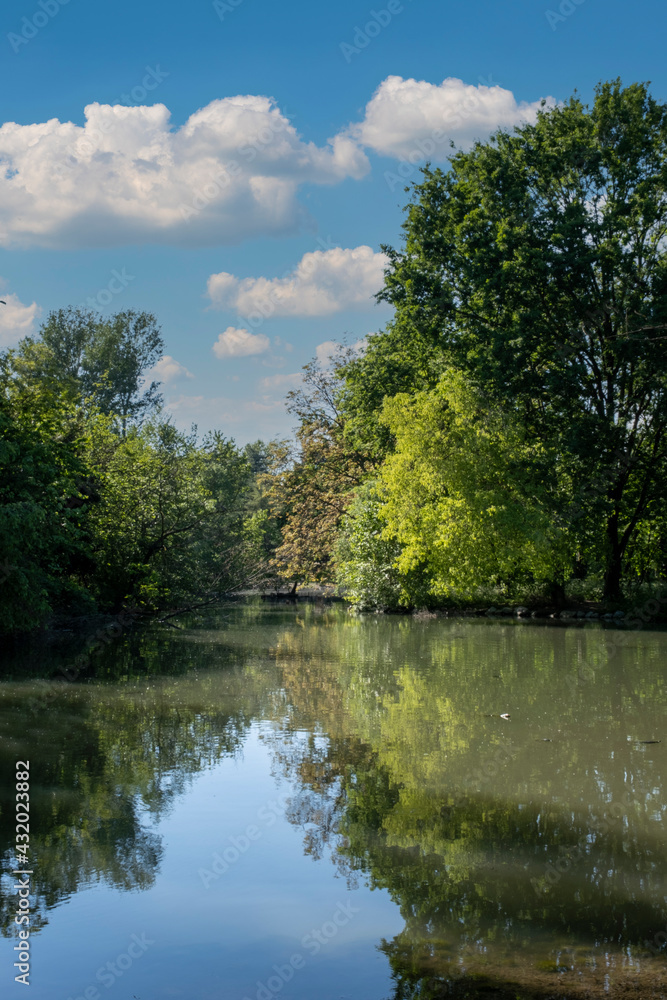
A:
{"x":231,"y":172}
{"x":323,"y":282}
{"x":415,"y":118}
{"x":240,"y":343}
{"x":244,"y":419}
{"x":328,"y":349}
{"x":282,"y":381}
{"x":167,"y":370}
{"x":16,"y":320}
{"x":325,"y":351}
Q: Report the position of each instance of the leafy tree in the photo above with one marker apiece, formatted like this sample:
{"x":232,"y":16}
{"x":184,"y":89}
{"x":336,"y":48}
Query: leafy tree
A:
{"x":468,"y":495}
{"x":102,"y":360}
{"x":394,"y":361}
{"x":366,"y":558}
{"x":537,"y":264}
{"x":172,"y":524}
{"x":266,"y":461}
{"x":311,"y":489}
{"x":234,"y":545}
{"x":100,"y":506}
{"x":45,"y":493}
{"x":152,"y":498}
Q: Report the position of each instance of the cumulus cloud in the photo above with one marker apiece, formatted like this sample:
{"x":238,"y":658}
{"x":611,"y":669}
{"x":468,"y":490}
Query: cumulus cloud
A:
{"x":415,"y":118}
{"x":231,"y":172}
{"x":326,"y":352}
{"x":282,"y":381}
{"x":16,"y":320}
{"x":240,"y":343}
{"x":168,"y":370}
{"x":323,"y":282}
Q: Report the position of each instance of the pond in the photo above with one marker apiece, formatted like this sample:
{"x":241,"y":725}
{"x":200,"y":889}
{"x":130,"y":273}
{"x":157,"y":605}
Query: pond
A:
{"x":292,"y":801}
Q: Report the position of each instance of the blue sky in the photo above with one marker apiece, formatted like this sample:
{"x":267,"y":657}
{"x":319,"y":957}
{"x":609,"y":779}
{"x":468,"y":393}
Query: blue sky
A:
{"x":241,"y":162}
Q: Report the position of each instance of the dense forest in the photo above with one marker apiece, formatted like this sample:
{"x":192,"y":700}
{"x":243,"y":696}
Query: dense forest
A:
{"x":504,"y":435}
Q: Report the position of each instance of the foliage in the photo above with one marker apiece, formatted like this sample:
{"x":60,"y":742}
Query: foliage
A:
{"x":45,"y":493}
{"x":536,"y":264}
{"x":466,"y":495}
{"x":394,"y":361}
{"x":152,"y":500}
{"x":102,"y":361}
{"x":311,"y":489}
{"x":103,"y":503}
{"x":365,"y":560}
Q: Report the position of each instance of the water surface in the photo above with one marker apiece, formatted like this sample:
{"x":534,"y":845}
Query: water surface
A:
{"x":294,"y":801}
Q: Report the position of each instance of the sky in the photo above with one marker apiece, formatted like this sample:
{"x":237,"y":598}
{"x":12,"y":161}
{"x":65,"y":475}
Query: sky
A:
{"x":235,"y":166}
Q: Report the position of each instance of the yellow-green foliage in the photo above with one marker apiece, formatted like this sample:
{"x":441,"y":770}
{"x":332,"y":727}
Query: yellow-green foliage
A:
{"x":464,"y":492}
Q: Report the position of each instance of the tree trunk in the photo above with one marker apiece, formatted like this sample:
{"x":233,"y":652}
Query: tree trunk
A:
{"x":614,"y":568}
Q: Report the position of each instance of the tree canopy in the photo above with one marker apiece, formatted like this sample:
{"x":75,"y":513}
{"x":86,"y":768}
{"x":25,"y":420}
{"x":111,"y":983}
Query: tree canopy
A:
{"x":103,"y":502}
{"x":535,"y":266}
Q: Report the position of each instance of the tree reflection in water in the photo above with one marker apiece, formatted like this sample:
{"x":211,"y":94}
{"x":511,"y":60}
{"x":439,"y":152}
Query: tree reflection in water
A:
{"x":491,"y":840}
{"x":508,"y":886}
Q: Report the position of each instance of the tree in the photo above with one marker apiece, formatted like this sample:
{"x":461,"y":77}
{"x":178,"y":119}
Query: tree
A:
{"x":46,"y":490}
{"x":152,"y":500}
{"x":365,"y":559}
{"x":394,"y":361}
{"x":468,"y":497}
{"x":103,"y":360}
{"x":537,"y":265}
{"x":100,"y":506}
{"x":310,"y":490}
{"x":172,"y":524}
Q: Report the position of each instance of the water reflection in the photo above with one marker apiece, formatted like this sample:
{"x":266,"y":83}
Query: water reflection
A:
{"x":510,"y":853}
{"x":506,"y":803}
{"x":111,"y":753}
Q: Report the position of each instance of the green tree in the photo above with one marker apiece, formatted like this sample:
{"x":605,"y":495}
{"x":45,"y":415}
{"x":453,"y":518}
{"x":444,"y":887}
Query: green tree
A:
{"x":46,"y":491}
{"x":152,"y":499}
{"x":537,"y":264}
{"x":172,"y":524}
{"x":365,"y":561}
{"x":469,"y":497}
{"x":312,"y":487}
{"x":102,"y":360}
{"x":100,"y":506}
{"x":393,"y":361}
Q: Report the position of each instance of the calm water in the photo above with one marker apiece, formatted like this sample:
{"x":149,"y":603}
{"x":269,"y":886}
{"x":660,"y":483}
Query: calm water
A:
{"x":294,"y":802}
